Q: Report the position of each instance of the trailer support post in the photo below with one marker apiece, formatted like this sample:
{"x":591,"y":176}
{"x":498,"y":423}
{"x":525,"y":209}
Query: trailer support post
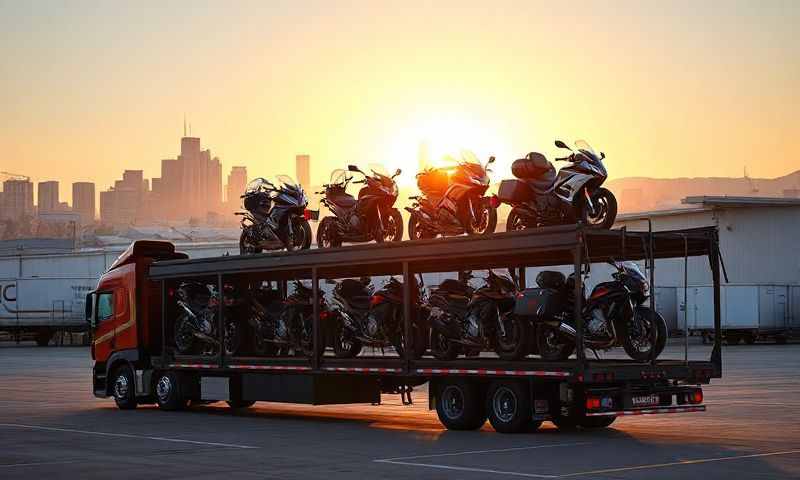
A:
{"x":716,"y":353}
{"x":163,"y":322}
{"x":409,"y":341}
{"x":577,"y":255}
{"x":316,"y":325}
{"x":220,"y":320}
{"x":686,"y":299}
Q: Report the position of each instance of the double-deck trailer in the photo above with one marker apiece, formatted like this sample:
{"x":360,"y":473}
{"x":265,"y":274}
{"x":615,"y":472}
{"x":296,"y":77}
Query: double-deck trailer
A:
{"x":133,"y":309}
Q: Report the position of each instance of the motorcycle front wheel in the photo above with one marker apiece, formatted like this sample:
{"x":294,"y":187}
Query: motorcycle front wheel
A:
{"x":513,"y":345}
{"x":327,"y":236}
{"x":442,"y":348}
{"x":551,"y":345}
{"x":184,"y":335}
{"x":605,"y":209}
{"x":245,"y":248}
{"x":646,"y":331}
{"x":392,"y":230}
{"x":416,"y":230}
{"x":301,"y":234}
{"x":345,"y":344}
{"x":484,"y":220}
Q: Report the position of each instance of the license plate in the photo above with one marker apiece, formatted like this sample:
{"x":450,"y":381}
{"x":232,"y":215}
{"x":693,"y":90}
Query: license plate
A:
{"x":646,"y":400}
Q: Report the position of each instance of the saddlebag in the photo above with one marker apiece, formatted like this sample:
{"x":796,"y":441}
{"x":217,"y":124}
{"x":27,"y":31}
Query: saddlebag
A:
{"x":540,"y":304}
{"x":514,"y":191}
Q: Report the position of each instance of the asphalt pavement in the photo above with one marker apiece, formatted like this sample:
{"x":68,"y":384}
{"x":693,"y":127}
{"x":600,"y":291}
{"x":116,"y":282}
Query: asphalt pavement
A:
{"x":52,"y":427}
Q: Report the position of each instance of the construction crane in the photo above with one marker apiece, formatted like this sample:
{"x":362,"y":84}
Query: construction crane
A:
{"x":15,"y":176}
{"x":753,"y":188}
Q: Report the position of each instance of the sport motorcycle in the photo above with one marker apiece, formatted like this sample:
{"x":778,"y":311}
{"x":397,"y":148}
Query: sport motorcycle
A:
{"x":371,"y":216}
{"x":471,"y":321}
{"x":196,"y":327}
{"x":276,"y":217}
{"x":613,"y":315}
{"x":539,"y":197}
{"x":453,"y":201}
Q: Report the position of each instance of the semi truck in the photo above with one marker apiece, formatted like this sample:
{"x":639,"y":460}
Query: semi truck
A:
{"x":132,"y":314}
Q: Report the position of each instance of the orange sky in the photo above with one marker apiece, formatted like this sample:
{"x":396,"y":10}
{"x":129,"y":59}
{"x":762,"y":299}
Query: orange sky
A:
{"x":665,"y":89}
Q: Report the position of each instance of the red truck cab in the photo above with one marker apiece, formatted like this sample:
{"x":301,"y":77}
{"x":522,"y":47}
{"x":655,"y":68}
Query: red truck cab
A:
{"x":124,"y":317}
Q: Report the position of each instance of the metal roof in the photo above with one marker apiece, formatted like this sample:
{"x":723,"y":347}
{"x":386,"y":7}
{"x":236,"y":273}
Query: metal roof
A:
{"x":535,"y":247}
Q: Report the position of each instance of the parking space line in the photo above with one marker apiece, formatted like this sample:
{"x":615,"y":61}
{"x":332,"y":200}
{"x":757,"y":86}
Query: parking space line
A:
{"x":672,"y":464}
{"x":474,"y":452}
{"x":467,"y":469}
{"x":35,"y":464}
{"x":125,"y":435}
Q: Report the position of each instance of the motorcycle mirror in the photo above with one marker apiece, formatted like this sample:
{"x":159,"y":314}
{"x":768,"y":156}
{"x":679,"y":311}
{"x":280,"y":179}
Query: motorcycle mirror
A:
{"x":491,"y":160}
{"x":353,"y":168}
{"x":397,"y":172}
{"x":602,"y":155}
{"x":561,"y":144}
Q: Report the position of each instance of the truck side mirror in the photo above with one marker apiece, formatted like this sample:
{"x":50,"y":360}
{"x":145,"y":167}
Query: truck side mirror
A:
{"x":90,"y":319}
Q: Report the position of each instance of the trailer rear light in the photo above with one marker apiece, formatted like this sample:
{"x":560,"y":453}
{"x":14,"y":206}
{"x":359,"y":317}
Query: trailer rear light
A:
{"x":494,"y":202}
{"x":603,"y":377}
{"x":696,"y":397}
{"x":592,"y":403}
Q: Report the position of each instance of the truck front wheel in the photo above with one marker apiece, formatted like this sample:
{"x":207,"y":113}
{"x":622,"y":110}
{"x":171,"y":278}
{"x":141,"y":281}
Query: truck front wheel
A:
{"x":169,"y":392}
{"x":460,"y":406}
{"x":123,"y":388}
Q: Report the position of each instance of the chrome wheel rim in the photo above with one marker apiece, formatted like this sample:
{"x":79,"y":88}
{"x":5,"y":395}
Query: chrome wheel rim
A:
{"x":504,"y":404}
{"x":121,"y":387}
{"x":163,"y":389}
{"x":453,"y":402}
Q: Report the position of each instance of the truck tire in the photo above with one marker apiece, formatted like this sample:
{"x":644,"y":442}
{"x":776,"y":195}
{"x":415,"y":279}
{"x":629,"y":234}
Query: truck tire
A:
{"x":123,"y":387}
{"x":509,"y":406}
{"x":460,"y":406}
{"x":43,"y":338}
{"x":597,"y":422}
{"x":169,"y":392}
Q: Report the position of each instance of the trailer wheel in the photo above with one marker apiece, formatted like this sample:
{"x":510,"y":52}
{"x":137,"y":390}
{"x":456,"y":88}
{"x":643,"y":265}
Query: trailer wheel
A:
{"x":597,"y":422}
{"x":123,"y":388}
{"x":169,"y":392}
{"x":509,"y":406}
{"x":460,"y":406}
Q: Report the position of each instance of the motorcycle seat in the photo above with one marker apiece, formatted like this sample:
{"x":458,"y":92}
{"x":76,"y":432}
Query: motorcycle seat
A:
{"x":343,"y":200}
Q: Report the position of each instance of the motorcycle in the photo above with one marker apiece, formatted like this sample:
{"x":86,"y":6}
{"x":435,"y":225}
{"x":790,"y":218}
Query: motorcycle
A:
{"x":363,"y":318}
{"x":196,"y":326}
{"x":613,"y":315}
{"x":276,"y":217}
{"x":452,"y":201}
{"x":473,"y":321}
{"x":370,"y":217}
{"x":540,"y":197}
{"x":282,"y":327}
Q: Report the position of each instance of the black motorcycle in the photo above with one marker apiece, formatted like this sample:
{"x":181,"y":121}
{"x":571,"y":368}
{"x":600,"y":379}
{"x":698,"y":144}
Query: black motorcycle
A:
{"x":453,"y":201}
{"x":370,"y":217}
{"x":473,"y":321}
{"x":284,"y":327}
{"x":276,"y":217}
{"x":196,"y":326}
{"x":540,"y":197}
{"x":363,"y":318}
{"x":613,"y":315}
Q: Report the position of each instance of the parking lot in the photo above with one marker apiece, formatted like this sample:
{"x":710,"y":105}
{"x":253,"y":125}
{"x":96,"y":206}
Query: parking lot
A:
{"x":52,"y":427}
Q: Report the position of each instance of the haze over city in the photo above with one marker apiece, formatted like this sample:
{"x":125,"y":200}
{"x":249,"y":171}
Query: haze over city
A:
{"x":665,"y":90}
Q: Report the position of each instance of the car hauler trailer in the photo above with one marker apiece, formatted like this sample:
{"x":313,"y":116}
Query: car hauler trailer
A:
{"x":133,"y":309}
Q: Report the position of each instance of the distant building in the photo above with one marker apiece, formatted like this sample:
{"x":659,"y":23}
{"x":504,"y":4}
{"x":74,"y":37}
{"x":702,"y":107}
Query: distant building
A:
{"x":83,"y":201}
{"x":47,"y":197}
{"x":237,"y":182}
{"x":303,"y":171}
{"x":791,"y":193}
{"x":17,"y":199}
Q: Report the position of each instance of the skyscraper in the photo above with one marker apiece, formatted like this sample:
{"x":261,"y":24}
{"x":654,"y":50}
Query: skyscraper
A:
{"x":83,"y":201}
{"x":237,"y":182}
{"x":17,"y":199}
{"x":47,"y":197}
{"x":303,"y":171}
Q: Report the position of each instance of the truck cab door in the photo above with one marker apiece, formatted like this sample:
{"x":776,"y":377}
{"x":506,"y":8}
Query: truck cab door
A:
{"x":102,"y":324}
